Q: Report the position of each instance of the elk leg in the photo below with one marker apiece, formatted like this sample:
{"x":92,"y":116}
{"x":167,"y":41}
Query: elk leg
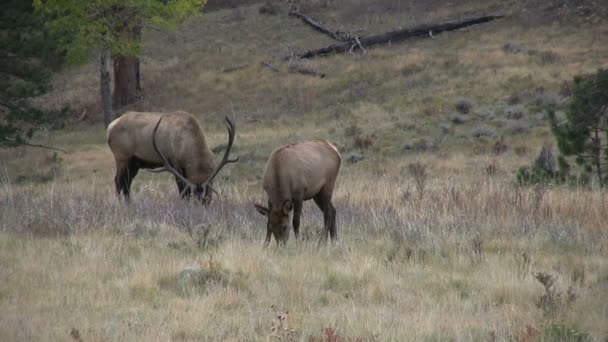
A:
{"x":121,"y":170}
{"x":333,"y":229}
{"x":324,"y":203}
{"x":297,"y":212}
{"x":125,"y":172}
{"x":117,"y":180}
{"x":180,"y":186}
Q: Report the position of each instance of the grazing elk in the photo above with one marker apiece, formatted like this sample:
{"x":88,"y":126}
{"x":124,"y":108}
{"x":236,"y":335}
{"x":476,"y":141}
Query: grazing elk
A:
{"x":139,"y":141}
{"x":295,"y":173}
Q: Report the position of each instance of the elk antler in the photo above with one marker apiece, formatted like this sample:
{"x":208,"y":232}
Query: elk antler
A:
{"x":225,"y":160}
{"x":167,"y":166}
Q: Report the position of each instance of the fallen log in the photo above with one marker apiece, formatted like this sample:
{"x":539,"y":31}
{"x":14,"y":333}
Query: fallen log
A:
{"x":337,"y":35}
{"x":393,"y":36}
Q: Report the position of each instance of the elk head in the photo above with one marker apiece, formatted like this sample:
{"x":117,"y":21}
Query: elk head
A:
{"x":202,"y":191}
{"x":278,"y":220}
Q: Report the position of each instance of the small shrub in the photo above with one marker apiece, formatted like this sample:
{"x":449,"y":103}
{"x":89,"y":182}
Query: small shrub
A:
{"x":477,"y":248}
{"x":458,"y":119}
{"x":445,"y":127}
{"x":552,"y":300}
{"x":549,"y":301}
{"x":516,"y":112}
{"x":420,"y":145}
{"x":201,"y":235}
{"x":578,"y":276}
{"x":563,"y":332}
{"x":546,"y":57}
{"x":358,"y":91}
{"x":483,"y":131}
{"x":463,"y":105}
{"x":529,"y":175}
{"x":279,"y":328}
{"x":521,"y":151}
{"x":488,"y":113}
{"x":406,"y":196}
{"x":406,"y":125}
{"x":517,"y":127}
{"x":544,"y":171}
{"x":331,"y":335}
{"x":418,"y":171}
{"x":566,"y":89}
{"x":515,"y":48}
{"x":355,"y":157}
{"x":545,"y":98}
{"x":340,"y":282}
{"x":410,"y":69}
{"x":523,"y":265}
{"x":399,"y":253}
{"x":75,"y":335}
{"x":491,"y":168}
{"x":363,"y":142}
{"x":198,"y":277}
{"x":45,"y":225}
{"x":514,"y":99}
{"x":500,"y":147}
{"x":140,"y":230}
{"x":352,"y":130}
{"x":269,"y":8}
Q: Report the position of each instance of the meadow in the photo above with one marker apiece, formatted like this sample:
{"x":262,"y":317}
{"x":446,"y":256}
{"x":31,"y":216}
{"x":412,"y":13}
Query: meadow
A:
{"x":437,"y":242}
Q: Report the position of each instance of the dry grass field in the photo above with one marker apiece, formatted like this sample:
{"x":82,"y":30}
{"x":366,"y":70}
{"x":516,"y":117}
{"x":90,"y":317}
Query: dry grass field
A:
{"x":437,"y":242}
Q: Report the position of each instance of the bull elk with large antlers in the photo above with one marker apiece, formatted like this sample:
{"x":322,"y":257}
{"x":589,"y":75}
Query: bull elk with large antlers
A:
{"x":295,"y":173}
{"x":139,"y":141}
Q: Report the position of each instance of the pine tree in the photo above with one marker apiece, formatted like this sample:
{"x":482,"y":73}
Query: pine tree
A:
{"x":29,"y":53}
{"x":583,"y":133}
{"x":109,"y":28}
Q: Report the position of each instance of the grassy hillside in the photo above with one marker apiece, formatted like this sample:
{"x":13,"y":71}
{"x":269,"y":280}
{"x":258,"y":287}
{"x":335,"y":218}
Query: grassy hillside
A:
{"x":458,"y":252}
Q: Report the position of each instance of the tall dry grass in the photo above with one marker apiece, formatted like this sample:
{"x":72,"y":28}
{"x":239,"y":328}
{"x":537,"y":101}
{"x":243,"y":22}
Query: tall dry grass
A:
{"x":456,"y":262}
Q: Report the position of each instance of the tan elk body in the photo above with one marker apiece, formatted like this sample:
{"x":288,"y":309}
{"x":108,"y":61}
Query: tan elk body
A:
{"x":295,"y":173}
{"x":173,"y":142}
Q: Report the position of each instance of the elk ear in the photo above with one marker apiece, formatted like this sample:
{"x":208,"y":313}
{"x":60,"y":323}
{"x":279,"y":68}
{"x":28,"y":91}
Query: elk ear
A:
{"x":287,"y":207}
{"x":261,"y":209}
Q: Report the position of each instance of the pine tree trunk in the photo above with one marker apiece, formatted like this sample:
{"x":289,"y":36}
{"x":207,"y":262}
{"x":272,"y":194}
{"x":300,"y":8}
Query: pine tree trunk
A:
{"x":126,"y":70}
{"x":104,"y":82}
{"x":126,"y":73}
{"x":137,"y":36}
{"x":598,"y":155}
{"x":137,"y":77}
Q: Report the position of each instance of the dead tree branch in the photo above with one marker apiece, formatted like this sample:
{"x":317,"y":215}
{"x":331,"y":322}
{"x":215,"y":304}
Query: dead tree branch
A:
{"x":336,"y":35}
{"x":23,"y":143}
{"x":425,"y":30}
